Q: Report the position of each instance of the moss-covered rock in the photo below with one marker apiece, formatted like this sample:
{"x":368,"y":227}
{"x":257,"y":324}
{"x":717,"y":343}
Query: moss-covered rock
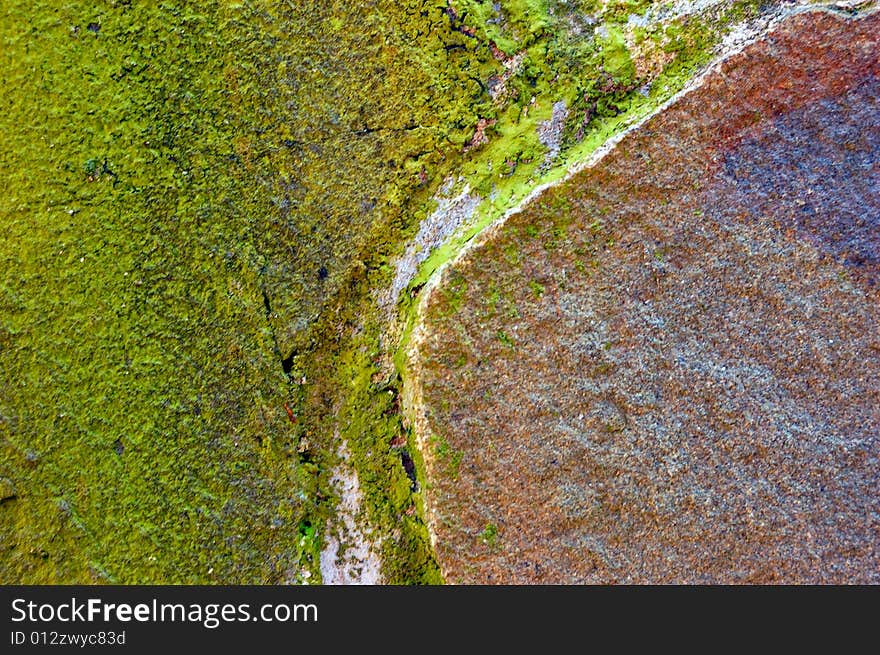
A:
{"x":201,"y":205}
{"x":685,"y":390}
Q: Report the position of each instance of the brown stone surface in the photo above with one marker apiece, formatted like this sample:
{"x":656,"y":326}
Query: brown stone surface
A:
{"x":667,"y":369}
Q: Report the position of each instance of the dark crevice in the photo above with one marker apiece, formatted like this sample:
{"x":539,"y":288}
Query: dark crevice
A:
{"x":410,"y":467}
{"x":381,"y":128}
{"x":343,"y":133}
{"x":287,"y":364}
{"x":483,"y":89}
{"x":366,"y":130}
{"x":393,"y":408}
{"x":457,"y":22}
{"x":305,"y":527}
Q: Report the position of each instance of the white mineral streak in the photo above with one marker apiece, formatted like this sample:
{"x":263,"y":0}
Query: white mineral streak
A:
{"x":349,"y":556}
{"x":453,"y":210}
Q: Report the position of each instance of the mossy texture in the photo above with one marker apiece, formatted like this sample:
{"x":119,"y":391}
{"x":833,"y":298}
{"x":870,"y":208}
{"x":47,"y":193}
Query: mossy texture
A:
{"x":199,"y":201}
{"x":170,"y":225}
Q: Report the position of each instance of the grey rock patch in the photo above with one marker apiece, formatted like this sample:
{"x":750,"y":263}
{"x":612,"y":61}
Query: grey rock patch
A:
{"x":454,"y":209}
{"x":680,"y":9}
{"x":349,"y":557}
{"x":550,"y":131}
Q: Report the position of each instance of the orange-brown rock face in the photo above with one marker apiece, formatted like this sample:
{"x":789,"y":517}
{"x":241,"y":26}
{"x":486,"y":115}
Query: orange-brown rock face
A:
{"x":667,"y":369}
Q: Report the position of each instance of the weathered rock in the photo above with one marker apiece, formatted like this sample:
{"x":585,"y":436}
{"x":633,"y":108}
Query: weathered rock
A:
{"x":695,"y":397}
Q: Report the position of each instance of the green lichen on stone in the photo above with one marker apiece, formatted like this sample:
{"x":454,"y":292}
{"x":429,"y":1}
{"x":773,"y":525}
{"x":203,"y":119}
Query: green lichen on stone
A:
{"x":199,"y":204}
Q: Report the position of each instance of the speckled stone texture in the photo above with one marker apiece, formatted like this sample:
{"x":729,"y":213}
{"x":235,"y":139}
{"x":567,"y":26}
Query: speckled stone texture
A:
{"x":667,"y":369}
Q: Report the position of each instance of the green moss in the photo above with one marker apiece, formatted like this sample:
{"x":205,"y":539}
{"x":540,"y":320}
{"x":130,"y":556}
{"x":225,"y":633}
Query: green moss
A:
{"x":616,"y":59}
{"x":489,"y":536}
{"x":140,"y":381}
{"x":572,"y":69}
{"x":504,"y":338}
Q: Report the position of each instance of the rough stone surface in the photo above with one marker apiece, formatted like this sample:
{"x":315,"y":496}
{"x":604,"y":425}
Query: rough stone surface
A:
{"x":667,"y":369}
